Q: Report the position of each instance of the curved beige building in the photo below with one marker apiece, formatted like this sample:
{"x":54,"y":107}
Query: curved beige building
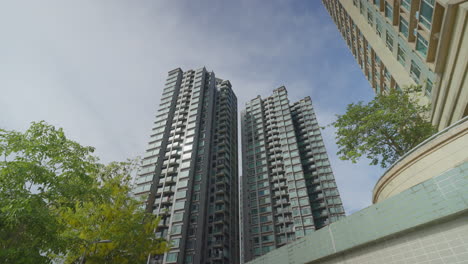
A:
{"x":438,"y":154}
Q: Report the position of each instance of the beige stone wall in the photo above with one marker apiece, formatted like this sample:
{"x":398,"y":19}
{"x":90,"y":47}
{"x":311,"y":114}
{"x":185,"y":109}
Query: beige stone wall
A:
{"x":442,"y":243}
{"x":401,"y":75}
{"x":450,"y":99}
{"x":442,"y":153}
{"x":447,"y":56}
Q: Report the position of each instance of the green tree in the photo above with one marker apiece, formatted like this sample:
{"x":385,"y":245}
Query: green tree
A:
{"x":114,"y":217}
{"x":383,"y":129}
{"x":46,"y":182}
{"x":38,"y":168}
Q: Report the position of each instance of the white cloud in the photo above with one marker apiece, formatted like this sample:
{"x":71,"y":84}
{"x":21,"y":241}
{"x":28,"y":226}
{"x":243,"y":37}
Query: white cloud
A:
{"x":96,"y":68}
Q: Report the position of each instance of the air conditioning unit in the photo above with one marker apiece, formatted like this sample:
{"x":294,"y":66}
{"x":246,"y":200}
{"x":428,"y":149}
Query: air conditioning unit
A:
{"x":415,"y":32}
{"x":417,"y":15}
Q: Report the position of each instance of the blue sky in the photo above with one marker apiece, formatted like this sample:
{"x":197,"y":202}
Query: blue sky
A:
{"x":97,"y":68}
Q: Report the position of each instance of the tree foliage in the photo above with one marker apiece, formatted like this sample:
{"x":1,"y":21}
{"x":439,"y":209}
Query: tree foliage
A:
{"x":114,"y":217}
{"x":383,"y":129}
{"x":56,"y":200}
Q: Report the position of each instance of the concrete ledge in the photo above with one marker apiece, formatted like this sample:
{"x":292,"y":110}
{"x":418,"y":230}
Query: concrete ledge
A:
{"x":438,"y":198}
{"x":441,"y":152}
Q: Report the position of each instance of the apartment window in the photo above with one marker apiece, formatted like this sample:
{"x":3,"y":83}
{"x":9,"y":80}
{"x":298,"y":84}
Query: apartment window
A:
{"x":389,"y":40}
{"x":401,"y":55}
{"x":429,"y":86}
{"x":254,"y":230}
{"x":178,"y":216}
{"x":265,"y":218}
{"x":302,"y":192}
{"x":179,"y":205}
{"x":403,"y":26}
{"x":369,"y":74}
{"x":406,"y":4}
{"x":184,"y":173}
{"x":265,"y":209}
{"x":257,"y":251}
{"x":175,"y":242}
{"x":361,"y":8}
{"x":299,"y":232}
{"x":305,"y":210}
{"x":388,"y":11}
{"x":387,"y":74}
{"x":267,"y":238}
{"x":421,"y":45}
{"x":176,"y":229}
{"x":425,"y":13}
{"x":308,"y":221}
{"x":415,"y":72}
{"x":378,"y":27}
{"x":171,"y":257}
{"x":377,"y":87}
{"x":181,"y":194}
{"x":376,"y":76}
{"x":370,"y":18}
{"x":377,"y":3}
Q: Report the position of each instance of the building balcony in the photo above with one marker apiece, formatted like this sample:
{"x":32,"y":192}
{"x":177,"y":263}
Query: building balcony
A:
{"x":220,"y":188}
{"x":166,"y":200}
{"x":322,"y":214}
{"x":174,"y":153}
{"x":318,"y":205}
{"x":219,"y":220}
{"x":170,"y":179}
{"x":169,"y":189}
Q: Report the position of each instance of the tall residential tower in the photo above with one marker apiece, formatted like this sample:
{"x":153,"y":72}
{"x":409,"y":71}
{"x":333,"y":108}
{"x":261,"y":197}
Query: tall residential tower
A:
{"x":189,"y":174}
{"x":403,"y":42}
{"x":288,"y":187}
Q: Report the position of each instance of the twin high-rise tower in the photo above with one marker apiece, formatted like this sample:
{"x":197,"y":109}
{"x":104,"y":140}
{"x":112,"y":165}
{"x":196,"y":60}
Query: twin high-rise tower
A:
{"x":189,"y":174}
{"x":288,"y":186}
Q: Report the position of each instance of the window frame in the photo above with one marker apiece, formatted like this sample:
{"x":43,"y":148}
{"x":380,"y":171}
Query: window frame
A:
{"x":388,"y":43}
{"x":413,"y":73}
{"x":404,"y":23}
{"x":426,"y":22}
{"x":421,"y":42}
{"x":388,"y":11}
{"x":406,"y":4}
{"x":399,"y":53}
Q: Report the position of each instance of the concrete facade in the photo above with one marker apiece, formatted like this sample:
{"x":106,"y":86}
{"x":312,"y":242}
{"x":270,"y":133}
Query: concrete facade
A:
{"x":427,"y":223}
{"x":189,"y":174}
{"x":404,"y":42}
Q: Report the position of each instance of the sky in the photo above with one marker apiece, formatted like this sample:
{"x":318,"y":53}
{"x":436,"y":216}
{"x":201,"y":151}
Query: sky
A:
{"x":97,"y":68}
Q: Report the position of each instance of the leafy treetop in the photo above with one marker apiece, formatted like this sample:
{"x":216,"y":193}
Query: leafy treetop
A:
{"x":384,"y":129}
{"x":56,"y":200}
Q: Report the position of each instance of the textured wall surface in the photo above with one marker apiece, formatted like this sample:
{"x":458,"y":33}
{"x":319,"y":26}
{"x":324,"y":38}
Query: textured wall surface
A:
{"x":443,"y":151}
{"x":445,"y":242}
{"x":427,"y":223}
